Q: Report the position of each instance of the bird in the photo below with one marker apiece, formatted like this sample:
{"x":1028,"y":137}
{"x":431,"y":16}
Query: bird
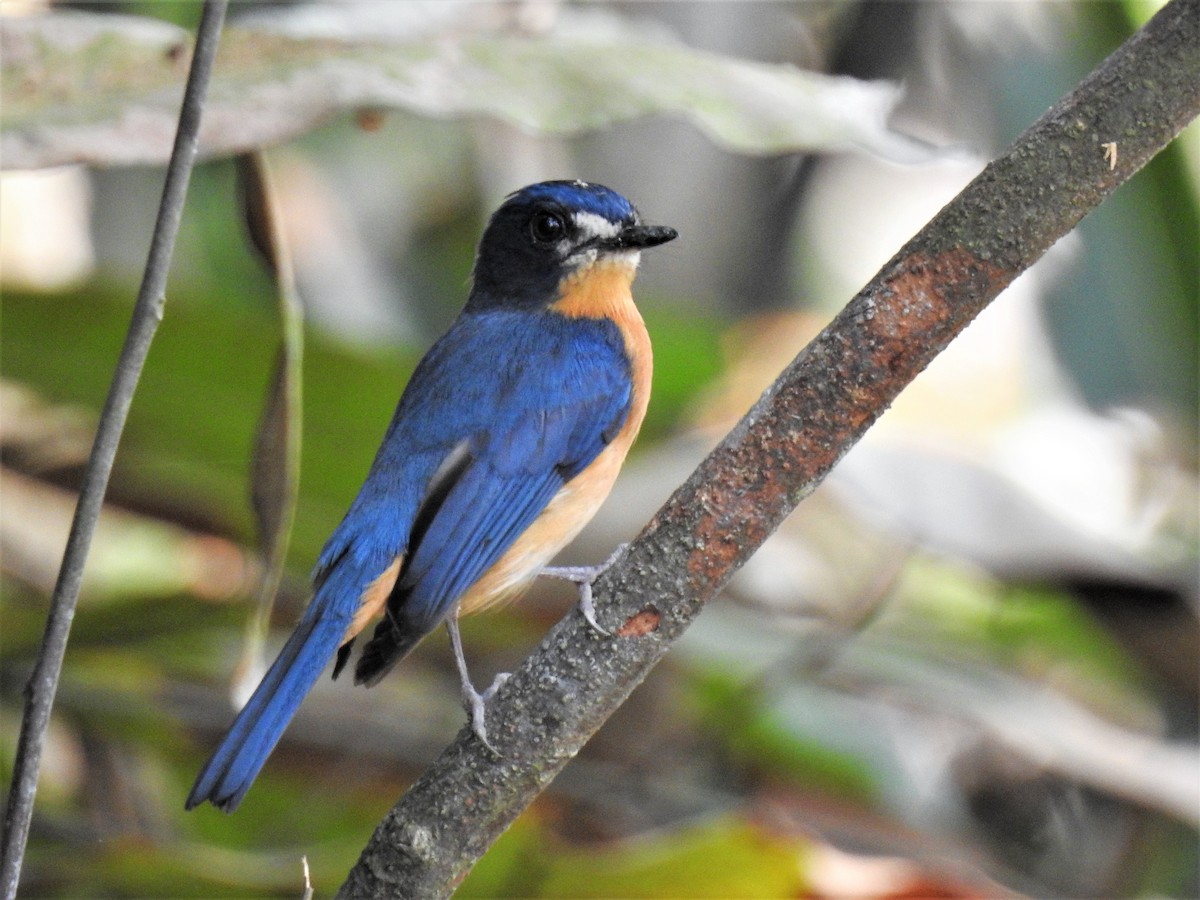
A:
{"x":504,"y":443}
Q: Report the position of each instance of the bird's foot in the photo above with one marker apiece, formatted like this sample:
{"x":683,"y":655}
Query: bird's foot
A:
{"x":474,"y":702}
{"x":585,"y":577}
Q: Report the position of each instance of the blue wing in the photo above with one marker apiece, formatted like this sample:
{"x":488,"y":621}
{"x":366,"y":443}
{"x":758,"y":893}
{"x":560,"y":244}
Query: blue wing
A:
{"x":501,"y":412}
{"x":551,"y":413}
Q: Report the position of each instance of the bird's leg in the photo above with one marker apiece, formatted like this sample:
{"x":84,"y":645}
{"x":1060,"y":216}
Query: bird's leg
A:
{"x":474,"y":702}
{"x":585,"y":577}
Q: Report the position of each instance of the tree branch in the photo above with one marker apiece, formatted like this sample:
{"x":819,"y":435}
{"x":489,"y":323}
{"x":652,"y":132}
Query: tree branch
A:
{"x":1023,"y":202}
{"x":147,"y":313}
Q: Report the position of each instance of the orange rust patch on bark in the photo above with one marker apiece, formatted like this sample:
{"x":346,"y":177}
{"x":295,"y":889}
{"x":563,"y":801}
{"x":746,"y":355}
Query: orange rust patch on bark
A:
{"x":640,"y":624}
{"x":925,"y":295}
{"x":837,"y":387}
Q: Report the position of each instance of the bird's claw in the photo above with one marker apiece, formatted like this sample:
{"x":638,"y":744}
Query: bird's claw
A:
{"x":585,"y":577}
{"x":588,"y":607}
{"x":475,"y":704}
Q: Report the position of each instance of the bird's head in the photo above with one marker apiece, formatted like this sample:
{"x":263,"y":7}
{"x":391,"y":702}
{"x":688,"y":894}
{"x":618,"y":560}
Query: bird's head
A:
{"x":547,"y":232}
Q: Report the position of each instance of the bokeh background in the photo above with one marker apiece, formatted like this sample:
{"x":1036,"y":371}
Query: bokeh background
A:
{"x":967,"y":666}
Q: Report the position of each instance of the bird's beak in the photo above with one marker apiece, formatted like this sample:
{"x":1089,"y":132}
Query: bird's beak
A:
{"x":636,"y":237}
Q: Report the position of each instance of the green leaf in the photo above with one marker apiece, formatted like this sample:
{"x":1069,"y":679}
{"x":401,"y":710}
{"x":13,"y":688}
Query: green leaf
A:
{"x":105,"y":89}
{"x":724,"y":857}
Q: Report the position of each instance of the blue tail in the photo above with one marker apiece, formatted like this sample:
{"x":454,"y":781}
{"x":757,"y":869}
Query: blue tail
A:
{"x":227,"y":776}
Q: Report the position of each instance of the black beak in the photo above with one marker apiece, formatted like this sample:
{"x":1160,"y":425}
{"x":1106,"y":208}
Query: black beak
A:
{"x":637,"y":237}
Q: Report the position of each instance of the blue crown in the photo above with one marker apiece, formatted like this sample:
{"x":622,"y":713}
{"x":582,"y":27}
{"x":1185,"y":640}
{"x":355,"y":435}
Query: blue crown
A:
{"x":577,"y":195}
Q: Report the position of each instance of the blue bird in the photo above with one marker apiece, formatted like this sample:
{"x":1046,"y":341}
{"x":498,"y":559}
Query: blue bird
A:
{"x":504,"y":444}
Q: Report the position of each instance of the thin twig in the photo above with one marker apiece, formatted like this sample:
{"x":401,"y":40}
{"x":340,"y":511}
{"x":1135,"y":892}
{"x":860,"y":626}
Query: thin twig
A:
{"x":1022,"y":203}
{"x":147,"y":313}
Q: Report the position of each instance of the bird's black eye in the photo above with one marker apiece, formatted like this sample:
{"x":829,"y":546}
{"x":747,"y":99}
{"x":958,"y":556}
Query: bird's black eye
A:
{"x":547,"y":227}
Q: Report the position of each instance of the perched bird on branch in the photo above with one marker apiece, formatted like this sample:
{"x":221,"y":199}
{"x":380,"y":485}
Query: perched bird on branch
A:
{"x":504,"y":444}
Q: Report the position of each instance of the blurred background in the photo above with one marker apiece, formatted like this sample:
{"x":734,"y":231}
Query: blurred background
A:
{"x":967,"y":666}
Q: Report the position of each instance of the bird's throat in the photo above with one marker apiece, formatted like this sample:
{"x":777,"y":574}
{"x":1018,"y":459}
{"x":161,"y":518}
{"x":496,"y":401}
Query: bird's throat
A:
{"x":600,"y":290}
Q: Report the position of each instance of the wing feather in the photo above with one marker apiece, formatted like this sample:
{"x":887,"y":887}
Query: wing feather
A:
{"x":546,"y":424}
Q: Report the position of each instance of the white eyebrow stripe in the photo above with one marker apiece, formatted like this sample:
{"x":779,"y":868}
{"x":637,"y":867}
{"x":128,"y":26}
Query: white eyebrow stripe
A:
{"x":595,"y":226}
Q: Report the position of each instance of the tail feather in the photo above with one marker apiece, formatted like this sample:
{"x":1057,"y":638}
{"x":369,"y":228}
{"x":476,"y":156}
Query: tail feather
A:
{"x":234,"y":765}
{"x":390,"y":643}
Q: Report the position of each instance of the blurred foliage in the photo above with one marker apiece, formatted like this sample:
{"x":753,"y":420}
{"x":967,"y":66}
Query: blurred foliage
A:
{"x":773,"y":734}
{"x":580,"y":69}
{"x":192,"y":422}
{"x":727,"y":857}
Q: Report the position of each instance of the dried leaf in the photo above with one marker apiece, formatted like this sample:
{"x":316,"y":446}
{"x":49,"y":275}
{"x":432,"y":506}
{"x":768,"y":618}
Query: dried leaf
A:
{"x":275,"y":470}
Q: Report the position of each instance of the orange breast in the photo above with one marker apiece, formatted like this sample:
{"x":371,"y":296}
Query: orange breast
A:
{"x":602,"y":290}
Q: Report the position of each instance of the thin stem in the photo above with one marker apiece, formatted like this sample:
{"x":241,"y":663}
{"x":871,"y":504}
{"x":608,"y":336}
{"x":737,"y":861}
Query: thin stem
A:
{"x":147,"y":313}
